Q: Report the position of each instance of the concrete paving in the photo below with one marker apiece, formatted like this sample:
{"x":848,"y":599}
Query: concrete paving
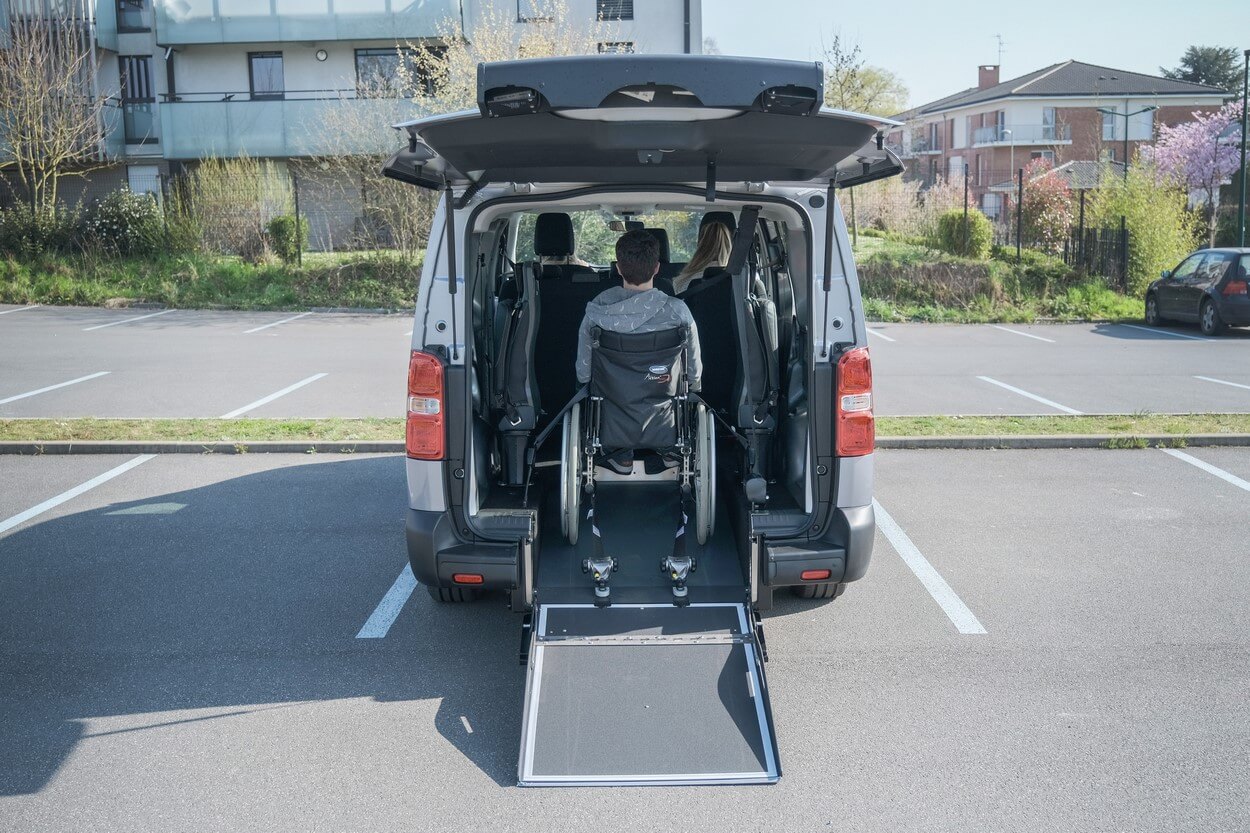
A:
{"x":206,"y":364}
{"x":178,"y":652}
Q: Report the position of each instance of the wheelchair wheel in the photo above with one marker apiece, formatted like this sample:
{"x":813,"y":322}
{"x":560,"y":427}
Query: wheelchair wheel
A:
{"x":570,"y":475}
{"x":704,"y":474}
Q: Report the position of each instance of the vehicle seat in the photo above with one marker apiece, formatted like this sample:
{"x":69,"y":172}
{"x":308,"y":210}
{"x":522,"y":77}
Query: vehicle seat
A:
{"x":668,"y":269}
{"x":726,"y":218}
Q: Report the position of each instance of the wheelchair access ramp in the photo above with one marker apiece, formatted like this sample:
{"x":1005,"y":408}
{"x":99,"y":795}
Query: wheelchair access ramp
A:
{"x":646,"y":694}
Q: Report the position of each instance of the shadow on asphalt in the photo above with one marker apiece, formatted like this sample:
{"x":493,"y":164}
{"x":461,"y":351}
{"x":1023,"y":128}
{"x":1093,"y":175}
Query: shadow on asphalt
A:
{"x":245,"y":599}
{"x":1168,"y":332}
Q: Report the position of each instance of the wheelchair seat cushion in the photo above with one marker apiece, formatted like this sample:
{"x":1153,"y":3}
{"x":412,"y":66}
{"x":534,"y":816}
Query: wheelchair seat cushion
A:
{"x":637,"y":375}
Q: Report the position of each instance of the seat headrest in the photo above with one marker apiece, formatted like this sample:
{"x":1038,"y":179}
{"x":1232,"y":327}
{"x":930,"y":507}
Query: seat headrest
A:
{"x":553,"y":235}
{"x":661,"y":237}
{"x":724,"y":217}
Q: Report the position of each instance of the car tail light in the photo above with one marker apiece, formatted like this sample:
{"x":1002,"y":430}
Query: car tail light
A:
{"x":467,"y":578}
{"x":1235,"y":288}
{"x":855,"y":426}
{"x":815,"y":575}
{"x":425,"y":434}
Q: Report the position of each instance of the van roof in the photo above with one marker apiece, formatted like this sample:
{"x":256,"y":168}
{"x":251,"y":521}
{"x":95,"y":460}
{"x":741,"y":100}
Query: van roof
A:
{"x":645,"y":119}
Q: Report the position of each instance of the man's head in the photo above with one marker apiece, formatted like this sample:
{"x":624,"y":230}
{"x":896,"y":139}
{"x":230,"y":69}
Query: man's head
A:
{"x":637,"y":257}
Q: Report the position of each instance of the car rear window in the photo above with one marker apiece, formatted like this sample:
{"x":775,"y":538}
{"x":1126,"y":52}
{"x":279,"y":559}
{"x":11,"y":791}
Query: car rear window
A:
{"x":595,"y":240}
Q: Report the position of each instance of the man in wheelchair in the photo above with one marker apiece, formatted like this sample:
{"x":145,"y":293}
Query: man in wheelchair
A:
{"x":639,"y":364}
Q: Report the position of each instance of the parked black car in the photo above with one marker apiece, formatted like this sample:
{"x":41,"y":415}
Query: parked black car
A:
{"x":1209,"y":287}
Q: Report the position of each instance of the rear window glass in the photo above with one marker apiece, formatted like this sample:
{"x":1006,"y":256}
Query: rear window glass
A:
{"x":595,"y":240}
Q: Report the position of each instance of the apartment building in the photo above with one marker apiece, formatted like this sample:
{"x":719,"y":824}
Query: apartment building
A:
{"x":199,"y":78}
{"x":1057,"y":112}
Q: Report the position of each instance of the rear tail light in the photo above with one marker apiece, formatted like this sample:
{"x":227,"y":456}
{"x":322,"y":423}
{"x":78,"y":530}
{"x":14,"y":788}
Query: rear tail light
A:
{"x":855,"y":426}
{"x":1235,"y":288}
{"x":425,"y":434}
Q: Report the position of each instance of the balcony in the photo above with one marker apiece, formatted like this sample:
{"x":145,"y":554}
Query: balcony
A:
{"x":919,"y":147}
{"x":271,"y":21}
{"x":1021,"y":134}
{"x":304,"y":123}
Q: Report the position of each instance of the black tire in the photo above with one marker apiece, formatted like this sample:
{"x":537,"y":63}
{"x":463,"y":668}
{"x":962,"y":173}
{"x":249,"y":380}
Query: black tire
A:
{"x":1152,"y":311}
{"x":452,"y":594}
{"x":828,"y":590}
{"x":1209,"y":320}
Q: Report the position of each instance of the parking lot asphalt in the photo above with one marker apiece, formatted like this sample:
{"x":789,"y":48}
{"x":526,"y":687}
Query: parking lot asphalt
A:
{"x":179,"y":651}
{"x":66,"y":361}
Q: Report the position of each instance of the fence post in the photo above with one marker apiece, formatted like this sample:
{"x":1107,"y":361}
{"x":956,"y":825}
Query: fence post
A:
{"x":1019,"y":210}
{"x":299,"y":237}
{"x":1123,"y":255}
{"x":1080,"y":234}
{"x":965,"y":208}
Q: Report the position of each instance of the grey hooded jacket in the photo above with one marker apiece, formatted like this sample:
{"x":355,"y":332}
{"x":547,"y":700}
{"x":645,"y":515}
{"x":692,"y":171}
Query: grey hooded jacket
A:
{"x":622,"y":310}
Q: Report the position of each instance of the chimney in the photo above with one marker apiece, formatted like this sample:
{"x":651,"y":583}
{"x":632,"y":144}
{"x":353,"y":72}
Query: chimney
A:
{"x":987,"y":76}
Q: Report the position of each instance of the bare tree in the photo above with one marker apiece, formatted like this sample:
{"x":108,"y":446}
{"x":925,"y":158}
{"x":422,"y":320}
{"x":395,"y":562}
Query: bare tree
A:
{"x":52,"y":117}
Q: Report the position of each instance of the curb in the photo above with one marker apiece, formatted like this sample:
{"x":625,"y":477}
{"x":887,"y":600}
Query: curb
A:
{"x":1043,"y":441}
{"x":167,"y":447}
{"x":1019,"y":442}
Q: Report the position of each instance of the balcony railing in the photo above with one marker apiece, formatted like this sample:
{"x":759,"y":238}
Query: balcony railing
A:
{"x":1022,"y":134}
{"x":926,"y":145}
{"x":264,"y":21}
{"x":303,"y":123}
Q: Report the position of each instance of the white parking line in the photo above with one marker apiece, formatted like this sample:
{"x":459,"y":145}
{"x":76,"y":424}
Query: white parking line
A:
{"x":1164,"y":332}
{"x":1019,"y":333}
{"x":126,"y":320}
{"x":18,"y":309}
{"x":52,"y":503}
{"x":54,"y":387}
{"x":276,"y":323}
{"x":1222,"y":382}
{"x":1032,"y":396}
{"x":271,"y":397}
{"x":1208,"y":468}
{"x":879,"y":334}
{"x":384,"y":615}
{"x":964,"y":620}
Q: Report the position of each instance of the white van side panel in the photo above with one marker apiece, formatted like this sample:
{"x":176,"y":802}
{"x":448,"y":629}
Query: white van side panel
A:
{"x":425,"y":485}
{"x":433,"y":321}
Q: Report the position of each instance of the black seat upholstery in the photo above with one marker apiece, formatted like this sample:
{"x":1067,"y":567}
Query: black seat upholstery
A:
{"x":726,"y":218}
{"x":711,"y":302}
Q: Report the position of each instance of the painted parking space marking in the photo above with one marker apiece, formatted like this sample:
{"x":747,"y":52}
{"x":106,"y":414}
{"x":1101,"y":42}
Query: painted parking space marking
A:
{"x":961,"y":616}
{"x":879,"y":334}
{"x":265,"y":400}
{"x":126,"y":320}
{"x":384,"y":615}
{"x":1021,"y":333}
{"x":276,"y":323}
{"x":86,"y":378}
{"x":1222,"y":382}
{"x":53,"y":502}
{"x":1032,"y":396}
{"x":1208,"y":468}
{"x":18,"y":309}
{"x":1164,"y":332}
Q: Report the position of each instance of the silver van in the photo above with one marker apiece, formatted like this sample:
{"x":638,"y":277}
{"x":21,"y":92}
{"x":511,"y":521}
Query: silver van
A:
{"x":641,"y":585}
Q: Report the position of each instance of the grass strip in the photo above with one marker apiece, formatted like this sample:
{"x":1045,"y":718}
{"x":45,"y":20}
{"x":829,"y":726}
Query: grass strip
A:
{"x":299,"y":430}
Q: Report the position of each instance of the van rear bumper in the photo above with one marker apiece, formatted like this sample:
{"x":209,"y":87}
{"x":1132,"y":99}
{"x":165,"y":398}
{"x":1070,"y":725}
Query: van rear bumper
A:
{"x":437,"y":553}
{"x":844,"y":550}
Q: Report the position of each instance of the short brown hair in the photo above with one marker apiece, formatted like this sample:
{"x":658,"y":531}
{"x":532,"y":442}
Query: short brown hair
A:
{"x":637,"y":256}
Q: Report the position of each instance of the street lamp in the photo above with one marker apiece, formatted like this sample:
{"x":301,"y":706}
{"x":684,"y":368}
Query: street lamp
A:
{"x":1126,"y":116}
{"x":1013,"y":149}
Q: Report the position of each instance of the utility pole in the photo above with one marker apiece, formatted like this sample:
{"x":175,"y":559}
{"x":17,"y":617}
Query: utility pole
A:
{"x":1245,"y":116}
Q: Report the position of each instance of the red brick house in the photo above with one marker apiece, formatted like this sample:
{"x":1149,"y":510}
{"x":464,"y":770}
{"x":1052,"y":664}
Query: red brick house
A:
{"x":997,"y":127}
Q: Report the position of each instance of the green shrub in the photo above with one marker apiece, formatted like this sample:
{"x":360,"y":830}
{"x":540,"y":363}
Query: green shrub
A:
{"x":25,"y":233}
{"x":979,"y":236}
{"x":287,"y":238}
{"x":126,"y":224}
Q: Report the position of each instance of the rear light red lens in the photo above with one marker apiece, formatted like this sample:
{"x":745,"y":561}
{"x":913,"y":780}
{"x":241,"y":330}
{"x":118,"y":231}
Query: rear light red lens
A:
{"x":854,"y":424}
{"x":470,"y":578}
{"x":814,"y":575}
{"x":425,"y":434}
{"x":1236,"y":288}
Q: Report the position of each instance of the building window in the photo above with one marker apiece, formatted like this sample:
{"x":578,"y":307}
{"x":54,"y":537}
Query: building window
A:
{"x":1142,"y":128}
{"x":531,"y":11}
{"x":1108,"y":126}
{"x":616,"y":46}
{"x":138,"y":98}
{"x":265,"y":74}
{"x":378,"y":70}
{"x":1048,"y":123}
{"x":132,"y":16}
{"x":614,"y":9}
{"x":1042,"y":154}
{"x":144,"y":179}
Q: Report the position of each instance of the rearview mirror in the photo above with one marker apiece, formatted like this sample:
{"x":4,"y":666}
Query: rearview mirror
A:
{"x":626,"y":225}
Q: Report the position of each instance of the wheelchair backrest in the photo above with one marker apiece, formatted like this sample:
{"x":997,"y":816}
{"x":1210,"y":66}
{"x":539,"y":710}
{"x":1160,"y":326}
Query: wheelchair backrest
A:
{"x":638,"y":377}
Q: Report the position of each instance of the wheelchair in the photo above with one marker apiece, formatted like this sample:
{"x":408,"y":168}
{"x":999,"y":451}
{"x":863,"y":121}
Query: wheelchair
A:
{"x":639,"y":398}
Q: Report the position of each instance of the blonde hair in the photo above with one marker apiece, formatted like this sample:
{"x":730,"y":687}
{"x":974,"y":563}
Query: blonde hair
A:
{"x":714,"y":247}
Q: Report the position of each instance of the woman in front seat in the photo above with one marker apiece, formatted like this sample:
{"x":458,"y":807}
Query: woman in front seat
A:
{"x":712,"y":250}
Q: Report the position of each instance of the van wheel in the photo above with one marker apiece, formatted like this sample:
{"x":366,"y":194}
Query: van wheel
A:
{"x":452,"y":594}
{"x":828,"y":590}
{"x":1209,"y":319}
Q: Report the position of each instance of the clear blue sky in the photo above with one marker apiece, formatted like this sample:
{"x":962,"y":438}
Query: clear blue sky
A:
{"x":936,"y":47}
